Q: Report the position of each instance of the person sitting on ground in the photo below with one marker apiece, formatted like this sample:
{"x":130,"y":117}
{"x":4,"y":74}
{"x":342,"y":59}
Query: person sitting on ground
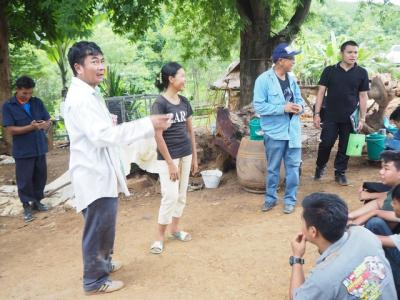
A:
{"x":393,"y":142}
{"x":352,"y":264}
{"x":379,"y":203}
{"x":389,"y":237}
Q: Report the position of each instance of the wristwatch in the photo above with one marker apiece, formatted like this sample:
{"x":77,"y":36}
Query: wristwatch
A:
{"x":316,"y":114}
{"x":296,"y":260}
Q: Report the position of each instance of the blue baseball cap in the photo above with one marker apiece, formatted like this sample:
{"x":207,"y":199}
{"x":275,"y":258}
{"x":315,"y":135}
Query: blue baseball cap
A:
{"x":283,"y":50}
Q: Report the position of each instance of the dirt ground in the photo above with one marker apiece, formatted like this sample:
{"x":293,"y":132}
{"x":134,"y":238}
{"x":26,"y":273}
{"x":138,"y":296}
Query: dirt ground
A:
{"x":237,"y":252}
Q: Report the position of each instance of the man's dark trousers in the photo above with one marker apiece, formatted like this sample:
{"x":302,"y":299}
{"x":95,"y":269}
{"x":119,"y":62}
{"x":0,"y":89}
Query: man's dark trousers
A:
{"x":98,"y":241}
{"x":31,"y":175}
{"x":330,"y":131}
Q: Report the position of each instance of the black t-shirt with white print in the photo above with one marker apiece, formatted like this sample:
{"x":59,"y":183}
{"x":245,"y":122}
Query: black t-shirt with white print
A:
{"x":287,"y":92}
{"x":177,"y":136}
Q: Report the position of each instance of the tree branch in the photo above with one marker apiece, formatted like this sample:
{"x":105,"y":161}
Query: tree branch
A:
{"x":293,"y":27}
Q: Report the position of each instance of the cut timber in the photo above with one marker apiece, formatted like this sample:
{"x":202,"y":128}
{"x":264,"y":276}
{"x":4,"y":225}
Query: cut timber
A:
{"x":382,"y":90}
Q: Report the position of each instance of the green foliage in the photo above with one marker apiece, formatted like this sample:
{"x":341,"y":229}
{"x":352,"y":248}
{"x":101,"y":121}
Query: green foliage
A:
{"x":56,"y":51}
{"x":24,"y":61}
{"x":27,"y":60}
{"x":202,"y":31}
{"x":373,"y":26}
{"x":204,"y":36}
{"x":134,"y":17}
{"x":112,"y":85}
{"x":49,"y":19}
{"x":136,"y":110}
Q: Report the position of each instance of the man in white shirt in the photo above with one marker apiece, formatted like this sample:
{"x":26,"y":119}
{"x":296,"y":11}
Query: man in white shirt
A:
{"x":96,"y":169}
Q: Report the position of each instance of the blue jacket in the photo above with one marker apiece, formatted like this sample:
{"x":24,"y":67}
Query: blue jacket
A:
{"x":269,"y":102}
{"x":393,"y":143}
{"x":33,"y":143}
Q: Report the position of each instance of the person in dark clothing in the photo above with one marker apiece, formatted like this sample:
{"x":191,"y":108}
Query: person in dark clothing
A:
{"x":27,"y":120}
{"x":346,"y":85}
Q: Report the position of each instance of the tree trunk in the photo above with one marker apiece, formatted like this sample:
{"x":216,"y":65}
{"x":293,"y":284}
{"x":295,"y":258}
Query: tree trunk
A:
{"x":256,"y":42}
{"x":255,"y":53}
{"x":5,"y":86}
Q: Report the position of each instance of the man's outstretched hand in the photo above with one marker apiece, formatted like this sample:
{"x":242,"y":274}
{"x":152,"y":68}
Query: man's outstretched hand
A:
{"x":161,"y":122}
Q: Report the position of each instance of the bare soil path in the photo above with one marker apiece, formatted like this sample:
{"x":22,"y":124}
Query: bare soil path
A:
{"x":237,"y":251}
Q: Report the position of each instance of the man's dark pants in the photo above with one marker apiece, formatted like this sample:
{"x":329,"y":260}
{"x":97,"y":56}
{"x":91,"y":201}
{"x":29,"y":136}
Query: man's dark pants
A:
{"x":98,"y":241}
{"x":380,"y":227}
{"x":330,"y":131}
{"x":31,"y":175}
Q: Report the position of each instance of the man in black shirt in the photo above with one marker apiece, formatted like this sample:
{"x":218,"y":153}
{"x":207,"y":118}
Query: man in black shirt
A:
{"x":346,"y":84}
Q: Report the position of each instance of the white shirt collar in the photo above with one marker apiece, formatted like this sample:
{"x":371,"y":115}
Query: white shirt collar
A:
{"x":83,"y":85}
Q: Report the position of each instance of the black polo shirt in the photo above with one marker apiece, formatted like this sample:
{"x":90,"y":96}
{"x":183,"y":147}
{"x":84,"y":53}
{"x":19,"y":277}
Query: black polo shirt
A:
{"x":33,"y":143}
{"x":343,"y":91}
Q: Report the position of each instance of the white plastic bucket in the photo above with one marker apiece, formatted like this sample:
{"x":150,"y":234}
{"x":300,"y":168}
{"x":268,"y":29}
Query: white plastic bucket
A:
{"x":211,"y":178}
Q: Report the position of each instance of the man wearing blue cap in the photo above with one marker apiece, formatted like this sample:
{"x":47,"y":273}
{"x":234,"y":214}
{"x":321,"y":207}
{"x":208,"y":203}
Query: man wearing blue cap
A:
{"x":346,"y":85}
{"x":278,"y":101}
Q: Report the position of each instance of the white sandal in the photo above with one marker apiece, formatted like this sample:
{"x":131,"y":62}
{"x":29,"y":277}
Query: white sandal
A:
{"x":157,"y":247}
{"x":182,"y":236}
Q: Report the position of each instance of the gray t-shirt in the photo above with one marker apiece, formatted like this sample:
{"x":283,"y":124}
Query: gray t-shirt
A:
{"x":354,"y":267}
{"x":177,"y":136}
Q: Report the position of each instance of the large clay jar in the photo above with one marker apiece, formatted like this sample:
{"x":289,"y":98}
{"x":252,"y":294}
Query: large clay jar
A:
{"x":251,"y":165}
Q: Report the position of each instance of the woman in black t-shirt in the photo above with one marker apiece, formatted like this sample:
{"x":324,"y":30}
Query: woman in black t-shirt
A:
{"x":176,"y":153}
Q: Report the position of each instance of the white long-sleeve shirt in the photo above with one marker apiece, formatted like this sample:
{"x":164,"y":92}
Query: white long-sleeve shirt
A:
{"x":95,"y":166}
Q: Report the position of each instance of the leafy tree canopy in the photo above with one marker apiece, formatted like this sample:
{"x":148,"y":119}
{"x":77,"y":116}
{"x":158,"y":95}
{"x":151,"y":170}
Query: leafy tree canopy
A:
{"x":203,"y":27}
{"x":49,"y":19}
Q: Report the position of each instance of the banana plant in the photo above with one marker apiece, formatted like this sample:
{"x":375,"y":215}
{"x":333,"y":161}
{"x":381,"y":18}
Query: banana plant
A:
{"x":113,"y":84}
{"x":56,"y":51}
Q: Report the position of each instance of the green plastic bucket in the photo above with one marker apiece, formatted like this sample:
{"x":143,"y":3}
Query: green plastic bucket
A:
{"x":375,"y":145}
{"x":255,"y":130}
{"x":355,"y":144}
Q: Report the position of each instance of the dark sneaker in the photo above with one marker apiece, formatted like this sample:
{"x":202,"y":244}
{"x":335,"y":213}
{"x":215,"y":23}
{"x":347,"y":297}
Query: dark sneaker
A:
{"x":319,"y":173}
{"x":267,"y":206}
{"x":39,"y":206}
{"x":288,"y":209}
{"x":108,"y":287}
{"x":341,"y":179}
{"x":28,"y":214}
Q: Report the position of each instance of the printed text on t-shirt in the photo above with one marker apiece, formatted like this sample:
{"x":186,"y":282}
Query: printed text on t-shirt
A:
{"x":179,"y":116}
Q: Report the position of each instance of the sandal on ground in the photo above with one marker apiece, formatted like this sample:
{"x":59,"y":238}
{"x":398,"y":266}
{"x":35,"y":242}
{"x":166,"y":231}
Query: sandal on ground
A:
{"x":182,"y":236}
{"x":157,"y":247}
